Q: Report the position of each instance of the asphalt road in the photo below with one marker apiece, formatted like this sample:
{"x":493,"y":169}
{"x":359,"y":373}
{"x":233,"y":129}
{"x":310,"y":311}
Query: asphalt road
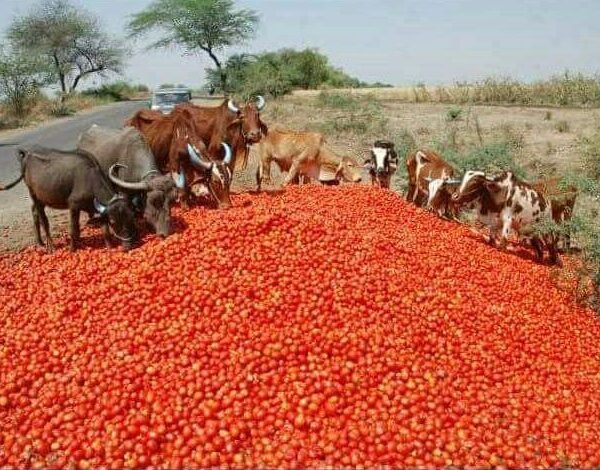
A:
{"x":62,"y":134}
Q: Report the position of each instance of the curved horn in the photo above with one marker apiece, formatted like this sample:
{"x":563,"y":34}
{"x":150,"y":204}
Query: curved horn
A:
{"x":196,"y":160}
{"x":228,"y":153}
{"x":232,"y":107}
{"x":260,"y":103}
{"x":139,"y":186}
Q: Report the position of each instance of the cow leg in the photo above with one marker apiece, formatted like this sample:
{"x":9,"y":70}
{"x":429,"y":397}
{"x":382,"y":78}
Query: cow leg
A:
{"x":106,"y":234}
{"x":552,"y":243}
{"x":35,"y":212}
{"x":46,"y":226}
{"x":292,"y":174}
{"x":75,"y":230}
{"x":539,"y":248}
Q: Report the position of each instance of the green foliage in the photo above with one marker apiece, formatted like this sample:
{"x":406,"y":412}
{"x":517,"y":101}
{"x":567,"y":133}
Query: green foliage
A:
{"x":278,"y":73}
{"x":359,"y":114}
{"x":208,"y":26}
{"x":117,"y":91}
{"x":454,"y":114}
{"x":21,"y":77}
{"x":590,"y":147}
{"x":70,"y":41}
{"x":60,"y":109}
{"x":490,"y":158}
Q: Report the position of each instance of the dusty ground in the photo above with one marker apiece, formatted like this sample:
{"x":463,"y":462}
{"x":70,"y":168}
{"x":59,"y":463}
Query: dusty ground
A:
{"x":543,"y":148}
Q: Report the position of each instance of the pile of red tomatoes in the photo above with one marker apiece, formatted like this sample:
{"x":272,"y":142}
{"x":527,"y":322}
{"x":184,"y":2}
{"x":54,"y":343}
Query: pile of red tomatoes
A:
{"x":319,"y":327}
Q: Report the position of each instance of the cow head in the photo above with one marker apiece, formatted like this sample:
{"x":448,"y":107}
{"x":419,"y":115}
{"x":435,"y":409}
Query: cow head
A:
{"x":382,"y":162}
{"x":248,"y":116}
{"x":160,"y":192}
{"x":215,"y":176}
{"x":121,"y":220}
{"x":475,"y":185}
{"x":440,"y":194}
{"x":348,"y":170}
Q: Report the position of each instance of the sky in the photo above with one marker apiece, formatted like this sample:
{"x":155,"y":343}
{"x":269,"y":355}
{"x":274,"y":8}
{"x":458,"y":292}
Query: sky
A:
{"x":402,"y":42}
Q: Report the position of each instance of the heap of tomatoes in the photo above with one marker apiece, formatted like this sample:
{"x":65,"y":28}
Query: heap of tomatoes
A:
{"x":318,"y":327}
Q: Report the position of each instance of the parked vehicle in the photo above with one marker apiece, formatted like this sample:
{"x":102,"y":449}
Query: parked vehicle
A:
{"x":164,"y":100}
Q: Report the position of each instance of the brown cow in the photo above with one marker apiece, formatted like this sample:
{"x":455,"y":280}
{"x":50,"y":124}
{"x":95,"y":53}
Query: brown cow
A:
{"x":440,"y":192}
{"x":178,"y":149}
{"x":239,"y":126}
{"x":423,"y":166}
{"x":303,"y":154}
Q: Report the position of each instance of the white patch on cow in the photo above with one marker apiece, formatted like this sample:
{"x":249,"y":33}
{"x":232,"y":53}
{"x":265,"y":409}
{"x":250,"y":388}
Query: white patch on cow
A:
{"x":380,"y":155}
{"x":434,"y":187}
{"x":469,"y":175}
{"x":419,"y":157}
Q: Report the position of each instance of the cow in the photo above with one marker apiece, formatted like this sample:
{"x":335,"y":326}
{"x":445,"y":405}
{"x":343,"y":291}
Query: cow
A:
{"x":302,"y":154}
{"x":239,"y":126}
{"x":504,"y":203}
{"x":439,"y":199}
{"x":73,"y":181}
{"x":421,"y":165}
{"x":382,"y":163}
{"x":170,"y":137}
{"x":562,"y":199}
{"x":136,"y":171}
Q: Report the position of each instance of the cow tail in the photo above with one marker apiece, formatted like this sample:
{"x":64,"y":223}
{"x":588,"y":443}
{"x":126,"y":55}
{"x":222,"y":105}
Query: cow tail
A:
{"x":21,"y":157}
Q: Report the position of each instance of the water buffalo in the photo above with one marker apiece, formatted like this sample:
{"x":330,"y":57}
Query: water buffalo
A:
{"x":74,"y":181}
{"x":136,"y":171}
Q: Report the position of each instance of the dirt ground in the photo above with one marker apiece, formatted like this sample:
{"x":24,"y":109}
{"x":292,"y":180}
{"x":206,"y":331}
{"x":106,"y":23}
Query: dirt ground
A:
{"x":548,"y":138}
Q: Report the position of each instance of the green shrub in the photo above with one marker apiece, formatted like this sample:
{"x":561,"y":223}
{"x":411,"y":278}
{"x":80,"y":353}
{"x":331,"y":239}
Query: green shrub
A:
{"x":590,"y":148}
{"x":454,"y":114}
{"x":360,"y":114}
{"x":117,"y":91}
{"x":60,"y":109}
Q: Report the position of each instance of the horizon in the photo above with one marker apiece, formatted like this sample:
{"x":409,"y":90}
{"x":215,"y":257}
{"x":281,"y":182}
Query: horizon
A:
{"x":402,"y":43}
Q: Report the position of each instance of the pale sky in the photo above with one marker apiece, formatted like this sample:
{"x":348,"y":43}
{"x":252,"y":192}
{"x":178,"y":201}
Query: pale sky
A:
{"x":402,"y":42}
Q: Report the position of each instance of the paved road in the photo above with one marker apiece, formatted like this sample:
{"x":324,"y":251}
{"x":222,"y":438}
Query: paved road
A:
{"x":14,"y":204}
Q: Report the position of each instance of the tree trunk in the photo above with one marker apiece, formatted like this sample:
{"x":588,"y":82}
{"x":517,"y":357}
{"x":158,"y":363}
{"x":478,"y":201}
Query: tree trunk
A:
{"x":222,"y":73}
{"x":61,"y":77}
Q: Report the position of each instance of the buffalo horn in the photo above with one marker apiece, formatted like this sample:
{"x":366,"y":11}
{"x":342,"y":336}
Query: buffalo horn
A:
{"x":228,"y":153}
{"x":197,"y":160}
{"x":232,"y":107}
{"x":139,"y":186}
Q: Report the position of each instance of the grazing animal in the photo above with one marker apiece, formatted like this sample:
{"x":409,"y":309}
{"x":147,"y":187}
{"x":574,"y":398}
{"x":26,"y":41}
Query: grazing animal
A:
{"x":168,"y":137}
{"x":136,"y":172}
{"x":239,"y":126}
{"x":382,"y":163}
{"x":562,"y":199}
{"x":439,"y":200}
{"x":506,"y":203}
{"x":422,"y":166}
{"x":303,"y":154}
{"x":73,"y":181}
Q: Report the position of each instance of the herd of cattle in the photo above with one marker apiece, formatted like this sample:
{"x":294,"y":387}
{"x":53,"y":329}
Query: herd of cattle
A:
{"x":191,"y":153}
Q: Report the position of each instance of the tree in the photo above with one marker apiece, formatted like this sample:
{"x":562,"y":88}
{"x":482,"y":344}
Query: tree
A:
{"x":197,"y":25}
{"x":69,"y":39}
{"x":21,"y":77}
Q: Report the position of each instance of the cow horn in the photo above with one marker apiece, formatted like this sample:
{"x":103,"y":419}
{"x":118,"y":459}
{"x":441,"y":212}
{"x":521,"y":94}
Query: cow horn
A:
{"x":180,"y":179}
{"x":260,"y":103}
{"x":232,"y":107}
{"x":197,"y":160}
{"x":100,"y":208}
{"x":139,"y":186}
{"x":228,"y":153}
{"x":453,"y":181}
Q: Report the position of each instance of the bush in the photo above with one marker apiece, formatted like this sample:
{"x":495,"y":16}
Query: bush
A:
{"x":60,"y":109}
{"x":590,"y":147}
{"x":454,"y":114}
{"x":117,"y":91}
{"x":360,"y":114}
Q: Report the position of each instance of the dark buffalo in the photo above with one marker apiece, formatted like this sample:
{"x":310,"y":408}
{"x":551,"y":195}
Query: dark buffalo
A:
{"x":136,"y":171}
{"x":74,"y":181}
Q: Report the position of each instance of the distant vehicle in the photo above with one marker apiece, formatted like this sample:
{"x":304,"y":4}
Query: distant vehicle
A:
{"x":164,"y":100}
